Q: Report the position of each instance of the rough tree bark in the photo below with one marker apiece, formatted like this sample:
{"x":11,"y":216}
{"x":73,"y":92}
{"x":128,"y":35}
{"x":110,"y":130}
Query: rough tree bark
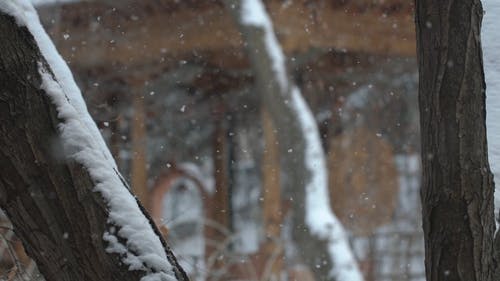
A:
{"x":457,"y":190}
{"x":50,"y":201}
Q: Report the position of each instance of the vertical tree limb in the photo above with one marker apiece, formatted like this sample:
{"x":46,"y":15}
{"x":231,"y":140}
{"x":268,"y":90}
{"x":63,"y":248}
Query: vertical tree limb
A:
{"x":318,"y":234}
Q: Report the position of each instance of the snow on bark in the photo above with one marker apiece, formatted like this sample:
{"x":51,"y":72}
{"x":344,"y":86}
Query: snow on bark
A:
{"x":131,"y":235}
{"x":25,"y":15}
{"x":319,"y":218}
{"x":254,"y":13}
{"x":491,"y":52}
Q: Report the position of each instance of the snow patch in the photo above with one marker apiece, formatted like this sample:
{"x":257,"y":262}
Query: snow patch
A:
{"x":491,"y":53}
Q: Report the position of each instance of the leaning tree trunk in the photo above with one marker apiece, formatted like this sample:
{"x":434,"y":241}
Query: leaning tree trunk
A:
{"x":319,"y":236}
{"x":457,"y":190}
{"x":48,"y":192}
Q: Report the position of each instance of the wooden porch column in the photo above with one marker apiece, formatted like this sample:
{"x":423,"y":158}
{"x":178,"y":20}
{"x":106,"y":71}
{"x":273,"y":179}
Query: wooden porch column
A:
{"x":139,"y":173}
{"x":271,"y":192}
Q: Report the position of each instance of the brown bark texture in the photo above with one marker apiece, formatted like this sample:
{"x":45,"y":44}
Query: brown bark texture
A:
{"x":50,"y":201}
{"x":457,"y":188}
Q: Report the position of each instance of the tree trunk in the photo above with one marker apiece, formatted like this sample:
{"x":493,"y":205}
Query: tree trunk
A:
{"x":457,"y":190}
{"x":313,"y":251}
{"x":319,"y":236}
{"x":50,"y":200}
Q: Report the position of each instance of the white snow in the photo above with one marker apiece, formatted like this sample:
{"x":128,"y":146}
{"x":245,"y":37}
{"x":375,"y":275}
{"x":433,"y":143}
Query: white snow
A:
{"x":82,"y":143}
{"x":254,"y":13}
{"x":319,"y":217}
{"x":491,"y":56}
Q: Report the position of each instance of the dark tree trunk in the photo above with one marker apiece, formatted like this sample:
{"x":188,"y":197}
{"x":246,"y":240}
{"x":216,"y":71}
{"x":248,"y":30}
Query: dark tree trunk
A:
{"x":50,"y":201}
{"x":457,"y":190}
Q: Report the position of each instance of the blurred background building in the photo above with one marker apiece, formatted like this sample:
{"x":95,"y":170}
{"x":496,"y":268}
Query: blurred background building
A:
{"x":170,"y":87}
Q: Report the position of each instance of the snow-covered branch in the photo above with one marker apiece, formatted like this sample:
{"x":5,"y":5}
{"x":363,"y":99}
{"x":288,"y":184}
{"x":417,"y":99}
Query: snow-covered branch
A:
{"x":130,"y":233}
{"x":300,"y":144}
